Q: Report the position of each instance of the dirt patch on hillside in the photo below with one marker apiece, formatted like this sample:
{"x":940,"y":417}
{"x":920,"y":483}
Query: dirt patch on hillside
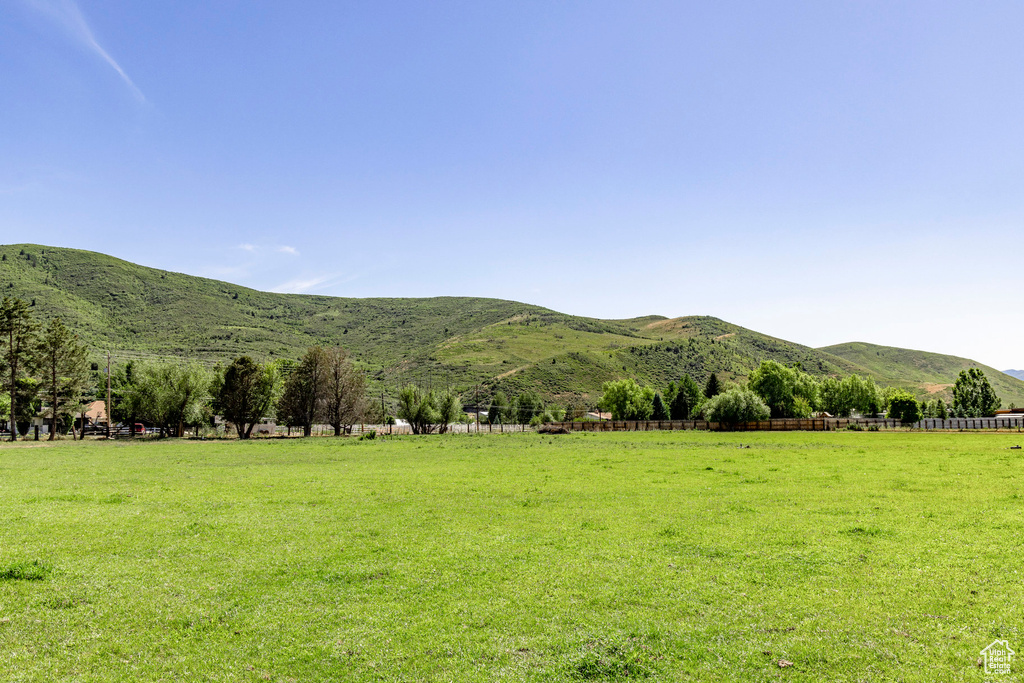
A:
{"x":678,"y":326}
{"x":936,"y":388}
{"x":511,"y":372}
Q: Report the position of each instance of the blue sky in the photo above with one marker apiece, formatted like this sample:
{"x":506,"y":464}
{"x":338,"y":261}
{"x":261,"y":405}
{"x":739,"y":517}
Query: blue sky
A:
{"x":822,"y":172}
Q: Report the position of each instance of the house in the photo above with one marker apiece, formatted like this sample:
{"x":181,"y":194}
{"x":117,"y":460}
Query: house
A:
{"x":96,"y":413}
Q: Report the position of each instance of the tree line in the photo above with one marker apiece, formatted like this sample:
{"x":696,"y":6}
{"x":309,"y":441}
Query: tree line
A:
{"x":322,"y":388}
{"x":774,"y":390}
{"x":47,"y":369}
{"x":39,"y":364}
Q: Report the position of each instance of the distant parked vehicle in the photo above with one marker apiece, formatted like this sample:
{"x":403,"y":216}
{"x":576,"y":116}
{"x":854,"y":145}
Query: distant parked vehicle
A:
{"x":125,"y":429}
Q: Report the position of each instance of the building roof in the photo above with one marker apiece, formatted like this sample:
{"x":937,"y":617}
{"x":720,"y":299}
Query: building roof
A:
{"x":96,"y":411}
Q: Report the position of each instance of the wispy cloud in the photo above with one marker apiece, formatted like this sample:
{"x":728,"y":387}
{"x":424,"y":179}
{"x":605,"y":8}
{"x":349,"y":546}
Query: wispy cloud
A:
{"x":300,"y":285}
{"x":288,"y":250}
{"x":247,"y":247}
{"x":67,"y":14}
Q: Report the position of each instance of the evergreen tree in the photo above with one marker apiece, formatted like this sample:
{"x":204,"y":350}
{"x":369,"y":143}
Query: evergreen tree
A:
{"x":670,"y":394}
{"x":660,"y":412}
{"x":65,"y":370}
{"x":712,"y":388}
{"x":684,"y":403}
{"x":496,"y":411}
{"x":18,"y":344}
{"x":528,"y":405}
{"x":940,"y":410}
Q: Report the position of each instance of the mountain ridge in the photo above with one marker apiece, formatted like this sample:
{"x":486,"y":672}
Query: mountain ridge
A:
{"x":471,"y":344}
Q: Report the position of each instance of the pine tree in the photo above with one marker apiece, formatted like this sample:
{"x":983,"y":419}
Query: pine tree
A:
{"x":18,"y":341}
{"x":65,"y":370}
{"x":712,"y":388}
{"x":688,"y":395}
{"x":660,"y":412}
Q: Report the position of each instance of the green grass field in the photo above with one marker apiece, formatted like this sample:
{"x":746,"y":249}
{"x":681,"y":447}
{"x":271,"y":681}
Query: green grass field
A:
{"x":660,"y":556}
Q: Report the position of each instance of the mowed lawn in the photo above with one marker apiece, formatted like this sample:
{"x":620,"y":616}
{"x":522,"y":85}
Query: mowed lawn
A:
{"x":628,"y":556}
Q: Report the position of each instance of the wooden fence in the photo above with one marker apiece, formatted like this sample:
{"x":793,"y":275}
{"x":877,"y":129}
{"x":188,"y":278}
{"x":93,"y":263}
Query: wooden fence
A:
{"x":817,"y":424}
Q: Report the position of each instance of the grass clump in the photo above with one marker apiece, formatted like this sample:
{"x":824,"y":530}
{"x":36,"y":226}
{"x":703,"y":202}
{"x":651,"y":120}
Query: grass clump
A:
{"x":25,"y":570}
{"x":614,"y":660}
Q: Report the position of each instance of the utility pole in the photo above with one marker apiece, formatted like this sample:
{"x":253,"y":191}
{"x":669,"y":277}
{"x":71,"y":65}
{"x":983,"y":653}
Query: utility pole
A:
{"x":108,"y":395}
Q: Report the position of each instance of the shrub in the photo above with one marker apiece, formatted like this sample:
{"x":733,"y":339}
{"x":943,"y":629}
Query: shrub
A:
{"x":735,"y":406}
{"x":904,"y":407}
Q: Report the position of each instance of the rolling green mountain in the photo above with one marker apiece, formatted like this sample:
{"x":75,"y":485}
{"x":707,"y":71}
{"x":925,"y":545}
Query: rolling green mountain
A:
{"x":921,"y":372}
{"x":473,"y":345}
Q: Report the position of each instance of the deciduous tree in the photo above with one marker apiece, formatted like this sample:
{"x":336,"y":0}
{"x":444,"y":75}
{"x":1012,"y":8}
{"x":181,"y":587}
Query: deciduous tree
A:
{"x":344,"y":391}
{"x":419,"y":409}
{"x":627,"y":400}
{"x":449,"y":410}
{"x":244,"y":393}
{"x":734,"y":406}
{"x":904,"y":407}
{"x":973,"y":396}
{"x":302,"y":402}
{"x":787,"y":392}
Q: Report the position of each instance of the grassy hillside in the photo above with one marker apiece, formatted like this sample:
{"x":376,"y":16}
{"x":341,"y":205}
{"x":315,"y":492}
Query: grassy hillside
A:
{"x":924,"y":373}
{"x":470,"y":344}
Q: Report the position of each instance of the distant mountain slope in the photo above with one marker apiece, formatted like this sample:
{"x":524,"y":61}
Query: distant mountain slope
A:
{"x":473,"y":345}
{"x":922,"y":372}
{"x":1019,"y":374}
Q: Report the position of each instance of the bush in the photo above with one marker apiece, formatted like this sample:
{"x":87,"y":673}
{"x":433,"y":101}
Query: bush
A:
{"x":735,"y":406}
{"x":627,"y":400}
{"x":904,"y":407}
